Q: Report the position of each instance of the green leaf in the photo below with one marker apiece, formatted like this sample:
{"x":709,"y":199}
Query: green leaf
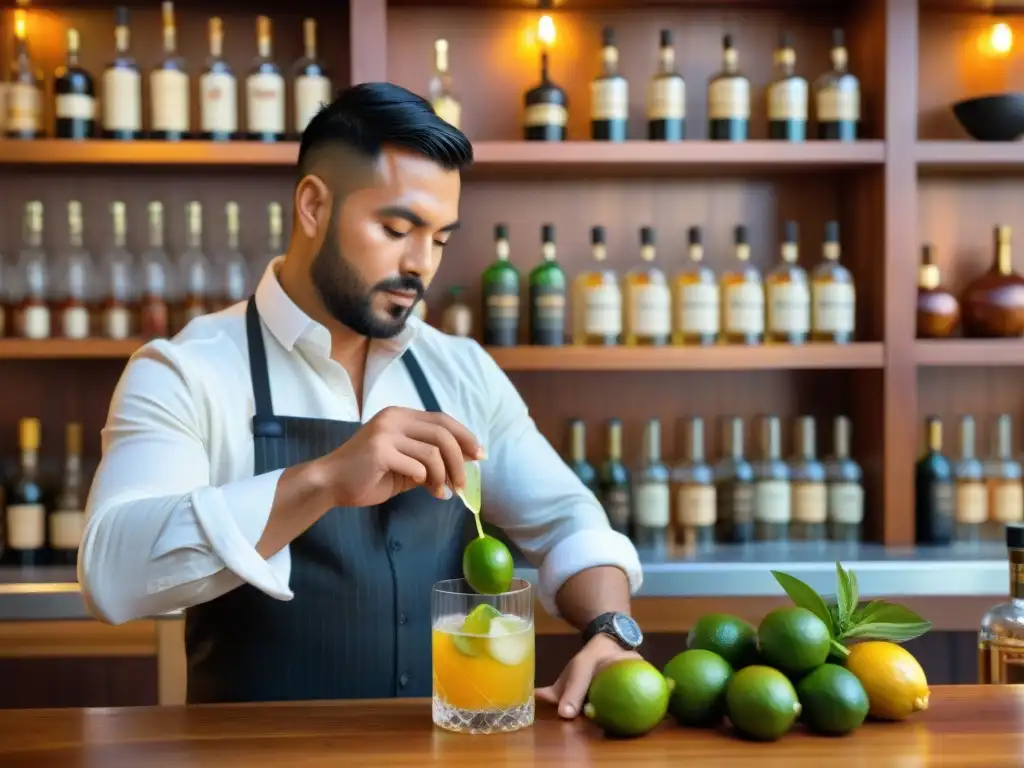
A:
{"x":805,"y":597}
{"x":894,"y":633}
{"x":846,"y":594}
{"x":865,"y":611}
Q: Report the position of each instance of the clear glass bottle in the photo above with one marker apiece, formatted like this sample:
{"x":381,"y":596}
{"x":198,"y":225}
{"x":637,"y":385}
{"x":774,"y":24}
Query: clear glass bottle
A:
{"x":837,"y":96}
{"x":693,"y":484}
{"x":729,"y":98}
{"x":442,"y":98}
{"x":734,"y":487}
{"x":652,"y":502}
{"x":29,"y":293}
{"x":66,"y":520}
{"x":577,"y":459}
{"x":1001,"y":638}
{"x":788,"y":294}
{"x":264,"y":89}
{"x":73,"y":279}
{"x":845,"y":489}
{"x":772,"y":488}
{"x":613,"y":481}
{"x":696,"y":305}
{"x":170,"y":112}
{"x":156,"y":288}
{"x":609,"y":95}
{"x":500,"y":293}
{"x":597,"y":299}
{"x":547,"y":295}
{"x":74,"y":96}
{"x":232,"y":268}
{"x":833,"y":294}
{"x":275,"y":246}
{"x":787,"y":95}
{"x":742,"y":297}
{"x":666,"y":96}
{"x":116,"y":286}
{"x":810,"y":497}
{"x":971,"y":505}
{"x":457,"y":317}
{"x":312,"y":81}
{"x":195,"y":268}
{"x":218,"y":91}
{"x":122,"y":85}
{"x":25,"y":87}
{"x":647,"y":299}
{"x":1005,"y":479}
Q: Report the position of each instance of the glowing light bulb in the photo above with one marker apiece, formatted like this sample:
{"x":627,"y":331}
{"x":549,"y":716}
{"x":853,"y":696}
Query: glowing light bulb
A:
{"x":546,"y":31}
{"x":1001,"y":38}
{"x":19,"y":24}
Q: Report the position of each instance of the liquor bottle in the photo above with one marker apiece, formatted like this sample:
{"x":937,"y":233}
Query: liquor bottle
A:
{"x":67,"y":518}
{"x":233,"y":271}
{"x":312,"y":83}
{"x":1003,"y":476}
{"x":938,"y":311}
{"x":652,"y":500}
{"x":810,"y":498}
{"x":666,"y":96}
{"x":788,"y":294}
{"x":547,"y":295}
{"x":500,"y":284}
{"x":609,"y":95}
{"x":155,"y":279}
{"x":264,"y":90}
{"x":73,"y":278}
{"x":734,"y":487}
{"x":577,"y":462}
{"x":613,"y":481}
{"x":75,"y":92}
{"x":992,"y":305}
{"x":546,"y":108}
{"x":29,"y":299}
{"x":6,"y":325}
{"x":647,"y":300}
{"x":24,"y":89}
{"x":597,"y":299}
{"x":122,"y":86}
{"x":728,"y":98}
{"x":218,"y":91}
{"x":274,"y":248}
{"x":169,"y":87}
{"x":772,"y":488}
{"x":457,"y":317}
{"x":696,"y":307}
{"x":742,"y":297}
{"x":694,"y":484}
{"x":1001,"y":638}
{"x":833,"y":296}
{"x":195,"y":269}
{"x":25,"y":524}
{"x":116,"y":269}
{"x":837,"y":96}
{"x":845,"y":492}
{"x":787,"y":96}
{"x":934,"y":490}
{"x":970,"y":506}
{"x":442,"y":99}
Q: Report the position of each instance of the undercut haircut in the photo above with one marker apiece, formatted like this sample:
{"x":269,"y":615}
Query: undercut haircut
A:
{"x":365,"y":118}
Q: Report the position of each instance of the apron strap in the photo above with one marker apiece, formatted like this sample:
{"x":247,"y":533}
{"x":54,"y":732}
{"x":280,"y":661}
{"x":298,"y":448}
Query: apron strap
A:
{"x":264,"y":423}
{"x":419,"y":380}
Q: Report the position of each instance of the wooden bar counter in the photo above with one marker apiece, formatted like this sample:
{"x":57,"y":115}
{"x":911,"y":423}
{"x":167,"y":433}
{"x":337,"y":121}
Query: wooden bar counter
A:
{"x":965,"y":726}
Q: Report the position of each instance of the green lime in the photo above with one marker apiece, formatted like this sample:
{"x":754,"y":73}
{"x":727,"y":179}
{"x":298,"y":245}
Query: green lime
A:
{"x":761,"y":703}
{"x":487,"y":566}
{"x":628,"y":698}
{"x":833,"y":699}
{"x":471,"y":638}
{"x":732,"y":638}
{"x":794,"y":641}
{"x":698,"y":697}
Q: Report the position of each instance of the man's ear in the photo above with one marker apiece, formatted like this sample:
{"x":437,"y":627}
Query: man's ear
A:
{"x":313,"y":201}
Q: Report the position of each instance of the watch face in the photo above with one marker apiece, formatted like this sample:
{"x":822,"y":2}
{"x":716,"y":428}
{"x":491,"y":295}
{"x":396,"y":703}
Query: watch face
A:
{"x":628,"y":630}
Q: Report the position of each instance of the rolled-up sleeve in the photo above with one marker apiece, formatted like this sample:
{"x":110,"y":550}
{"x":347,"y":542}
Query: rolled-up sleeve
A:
{"x":533,"y":495}
{"x":158,"y":536}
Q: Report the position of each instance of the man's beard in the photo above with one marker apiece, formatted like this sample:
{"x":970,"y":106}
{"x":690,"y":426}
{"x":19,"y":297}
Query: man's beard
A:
{"x":348,"y":298}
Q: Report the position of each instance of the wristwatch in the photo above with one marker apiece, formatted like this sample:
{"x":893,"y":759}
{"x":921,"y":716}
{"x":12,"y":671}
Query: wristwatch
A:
{"x":618,"y":626}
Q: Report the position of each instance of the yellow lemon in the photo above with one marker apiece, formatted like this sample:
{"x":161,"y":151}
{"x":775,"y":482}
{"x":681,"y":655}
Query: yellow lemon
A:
{"x":893,"y":680}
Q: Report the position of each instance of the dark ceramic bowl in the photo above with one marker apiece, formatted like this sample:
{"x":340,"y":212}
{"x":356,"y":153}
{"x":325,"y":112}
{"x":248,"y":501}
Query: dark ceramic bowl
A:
{"x":992,"y":118}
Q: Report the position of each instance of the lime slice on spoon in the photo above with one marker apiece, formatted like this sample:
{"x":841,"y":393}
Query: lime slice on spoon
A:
{"x":471,"y":494}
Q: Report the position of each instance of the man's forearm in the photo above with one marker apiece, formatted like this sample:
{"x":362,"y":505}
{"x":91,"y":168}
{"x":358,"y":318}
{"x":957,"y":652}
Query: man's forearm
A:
{"x":589,"y":593}
{"x":300,"y":500}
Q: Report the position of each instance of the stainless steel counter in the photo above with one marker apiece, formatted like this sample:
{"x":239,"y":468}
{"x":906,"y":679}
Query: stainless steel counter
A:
{"x":43,"y":594}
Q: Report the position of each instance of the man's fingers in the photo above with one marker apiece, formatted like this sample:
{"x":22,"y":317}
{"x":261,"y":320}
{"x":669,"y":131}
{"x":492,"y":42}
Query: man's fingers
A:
{"x":550,"y":694}
{"x":471,"y":447}
{"x":406,"y":466}
{"x":451,"y":452}
{"x":430,"y":457}
{"x":577,"y":684}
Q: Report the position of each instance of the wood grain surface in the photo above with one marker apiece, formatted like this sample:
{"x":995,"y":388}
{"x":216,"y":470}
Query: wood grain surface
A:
{"x":965,"y":726}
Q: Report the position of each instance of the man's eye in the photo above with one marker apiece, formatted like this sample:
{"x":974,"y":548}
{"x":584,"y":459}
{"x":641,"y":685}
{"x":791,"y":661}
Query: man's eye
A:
{"x":391,"y":232}
{"x":440,"y":243}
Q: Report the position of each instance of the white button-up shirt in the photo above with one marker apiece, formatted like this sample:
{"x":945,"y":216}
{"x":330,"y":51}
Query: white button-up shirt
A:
{"x":174,"y":513}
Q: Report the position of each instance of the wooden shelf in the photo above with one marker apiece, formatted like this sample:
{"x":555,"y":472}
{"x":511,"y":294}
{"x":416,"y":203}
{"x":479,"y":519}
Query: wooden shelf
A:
{"x":968,"y":156}
{"x":61,"y":152}
{"x":969,"y":352}
{"x":67,"y":349}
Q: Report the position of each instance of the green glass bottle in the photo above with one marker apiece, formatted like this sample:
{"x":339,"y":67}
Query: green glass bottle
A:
{"x":547,"y":295}
{"x":500,"y":291}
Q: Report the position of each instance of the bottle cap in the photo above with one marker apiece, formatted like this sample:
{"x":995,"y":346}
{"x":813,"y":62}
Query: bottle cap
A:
{"x":597,"y":235}
{"x":1015,"y":535}
{"x":501,"y":231}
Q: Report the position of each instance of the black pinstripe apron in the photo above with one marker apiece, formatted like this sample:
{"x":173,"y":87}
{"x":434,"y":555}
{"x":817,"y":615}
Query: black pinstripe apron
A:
{"x":359,"y":623}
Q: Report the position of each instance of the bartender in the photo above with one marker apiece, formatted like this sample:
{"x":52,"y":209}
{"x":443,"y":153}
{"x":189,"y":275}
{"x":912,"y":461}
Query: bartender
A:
{"x":282,"y":470}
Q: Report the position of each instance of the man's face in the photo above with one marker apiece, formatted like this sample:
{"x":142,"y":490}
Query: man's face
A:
{"x":384,"y":243}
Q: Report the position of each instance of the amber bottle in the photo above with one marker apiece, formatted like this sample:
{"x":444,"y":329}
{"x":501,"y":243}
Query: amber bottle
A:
{"x":992,"y":305}
{"x":938,"y":311}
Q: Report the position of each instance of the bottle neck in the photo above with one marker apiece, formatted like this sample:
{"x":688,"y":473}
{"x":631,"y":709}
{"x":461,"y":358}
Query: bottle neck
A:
{"x":1017,"y":575}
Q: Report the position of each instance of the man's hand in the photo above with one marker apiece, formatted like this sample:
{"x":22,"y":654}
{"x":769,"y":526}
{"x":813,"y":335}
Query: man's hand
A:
{"x":570,"y":690}
{"x":396,"y":451}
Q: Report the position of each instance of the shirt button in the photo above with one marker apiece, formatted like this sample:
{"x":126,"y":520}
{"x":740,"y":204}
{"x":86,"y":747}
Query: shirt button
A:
{"x":396,"y":545}
{"x":403,"y":679}
{"x":402,"y":618}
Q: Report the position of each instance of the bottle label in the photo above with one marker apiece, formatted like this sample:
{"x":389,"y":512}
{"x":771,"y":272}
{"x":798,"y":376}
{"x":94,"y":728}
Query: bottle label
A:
{"x":971,"y":502}
{"x":666,"y":98}
{"x":75,"y":106}
{"x":616,"y":505}
{"x":787,"y":99}
{"x":75,"y":322}
{"x":35,"y":322}
{"x":699,"y":309}
{"x":846,"y":503}
{"x":311,"y":93}
{"x":218,"y":102}
{"x":729,"y":99}
{"x":609,"y":99}
{"x":457,"y":320}
{"x":26,"y":526}
{"x":265,"y":101}
{"x":502,"y":314}
{"x":117,"y":323}
{"x":744,"y":308}
{"x":603,"y":313}
{"x":547,"y":324}
{"x":810,"y":503}
{"x":24,"y":105}
{"x":66,"y":526}
{"x":1007,"y":503}
{"x":772,"y":501}
{"x":651,"y":310}
{"x":735,"y":503}
{"x":448,"y":109}
{"x":834,"y":307}
{"x":538,"y":115}
{"x":653,"y":506}
{"x":839,"y":102}
{"x":169,"y":89}
{"x":122,"y":100}
{"x":789,"y":308}
{"x":696,"y":505}
{"x":942,"y":503}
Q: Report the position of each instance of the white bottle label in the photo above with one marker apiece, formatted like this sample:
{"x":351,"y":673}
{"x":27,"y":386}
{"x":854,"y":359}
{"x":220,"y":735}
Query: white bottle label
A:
{"x":66,"y":526}
{"x":457,"y":321}
{"x":772,"y":501}
{"x":26,"y":526}
{"x":789,"y":308}
{"x":218,"y":102}
{"x":787,"y":100}
{"x":1007,"y":504}
{"x":24,"y":106}
{"x":810,"y":503}
{"x":169,"y":91}
{"x":652,"y":505}
{"x":834,"y":307}
{"x":122,"y":100}
{"x":699,"y":309}
{"x":603,"y":314}
{"x":35,"y":322}
{"x":73,"y":106}
{"x":839,"y":102}
{"x":265,"y":102}
{"x":696,"y":505}
{"x":971,"y":503}
{"x":846,"y":503}
{"x":729,"y":99}
{"x":652,"y":310}
{"x":75,"y":323}
{"x":744,"y":308}
{"x":117,"y":323}
{"x":609,"y":99}
{"x":666,"y":98}
{"x":311,"y":93}
{"x":545,"y":114}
